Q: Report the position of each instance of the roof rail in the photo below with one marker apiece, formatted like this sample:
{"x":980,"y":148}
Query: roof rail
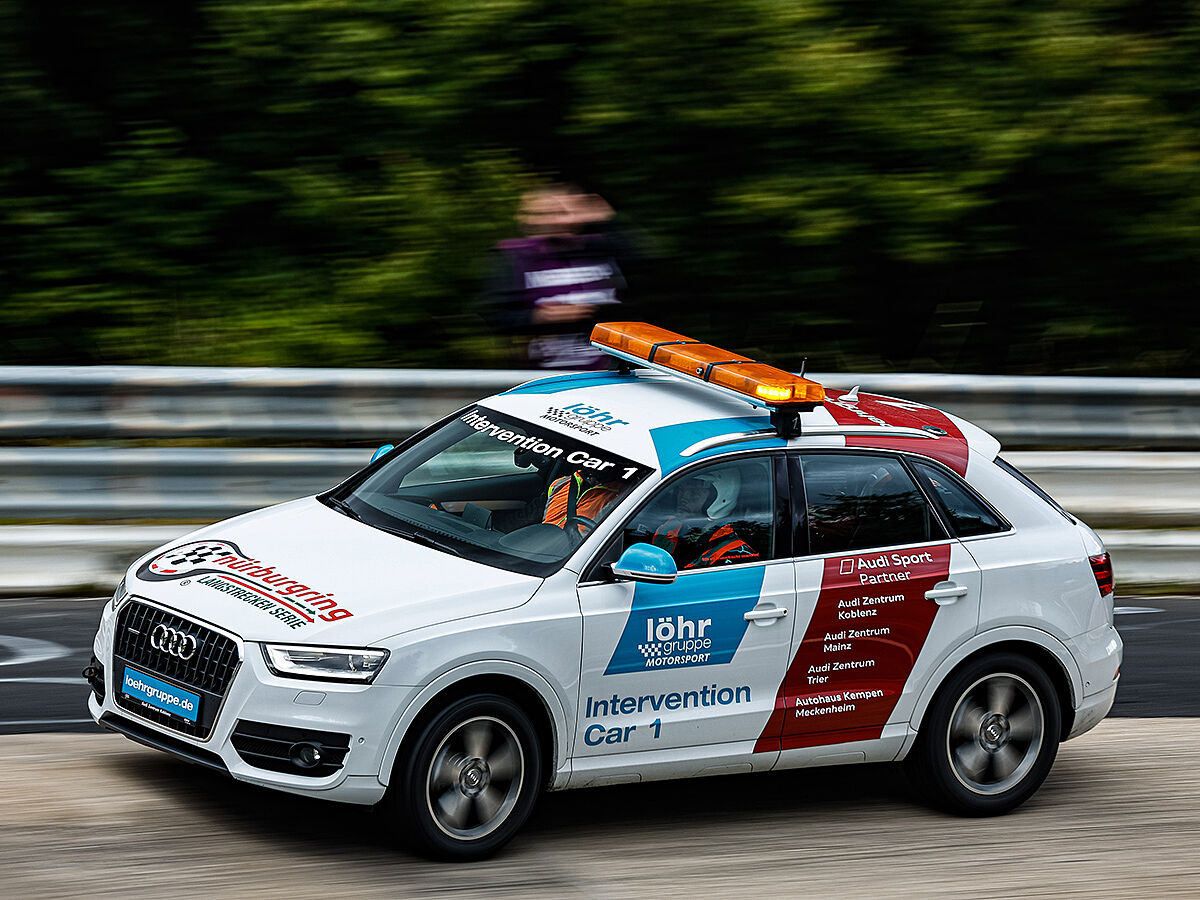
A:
{"x":737,"y":437}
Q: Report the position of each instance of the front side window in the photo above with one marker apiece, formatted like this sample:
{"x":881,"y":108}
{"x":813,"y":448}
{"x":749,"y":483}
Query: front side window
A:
{"x":859,"y":501}
{"x":719,"y":515}
{"x":493,"y":488}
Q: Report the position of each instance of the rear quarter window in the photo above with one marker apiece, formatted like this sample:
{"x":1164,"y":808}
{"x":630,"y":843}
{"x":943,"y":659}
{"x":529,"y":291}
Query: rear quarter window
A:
{"x":965,"y":511}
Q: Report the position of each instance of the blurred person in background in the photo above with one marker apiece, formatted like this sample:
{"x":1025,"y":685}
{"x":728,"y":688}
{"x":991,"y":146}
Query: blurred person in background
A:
{"x":550,"y":287}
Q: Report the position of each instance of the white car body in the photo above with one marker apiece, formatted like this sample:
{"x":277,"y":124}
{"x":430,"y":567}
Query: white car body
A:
{"x":844,"y":674}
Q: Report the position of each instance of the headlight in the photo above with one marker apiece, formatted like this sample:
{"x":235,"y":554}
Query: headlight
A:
{"x":119,"y":595}
{"x":324,"y":663}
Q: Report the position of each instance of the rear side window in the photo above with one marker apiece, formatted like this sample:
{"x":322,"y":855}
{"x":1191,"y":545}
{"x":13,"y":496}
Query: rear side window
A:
{"x":967,"y":514}
{"x":1029,"y":483}
{"x":856,"y":502}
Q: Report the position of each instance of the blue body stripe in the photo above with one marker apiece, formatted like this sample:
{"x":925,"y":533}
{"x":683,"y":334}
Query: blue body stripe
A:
{"x":559,"y":383}
{"x":695,"y":621}
{"x":670,"y":440}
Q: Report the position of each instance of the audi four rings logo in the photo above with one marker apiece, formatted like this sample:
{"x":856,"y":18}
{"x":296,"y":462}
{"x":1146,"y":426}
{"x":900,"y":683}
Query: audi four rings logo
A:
{"x":177,"y":643}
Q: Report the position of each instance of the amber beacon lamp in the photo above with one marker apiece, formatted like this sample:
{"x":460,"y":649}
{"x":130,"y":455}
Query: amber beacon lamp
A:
{"x":639,"y":344}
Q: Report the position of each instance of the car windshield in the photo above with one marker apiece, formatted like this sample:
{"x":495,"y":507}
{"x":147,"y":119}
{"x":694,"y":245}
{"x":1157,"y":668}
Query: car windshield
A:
{"x":494,"y":489}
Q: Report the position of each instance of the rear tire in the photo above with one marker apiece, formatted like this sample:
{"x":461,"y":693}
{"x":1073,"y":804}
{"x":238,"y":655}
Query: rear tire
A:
{"x":469,"y":781}
{"x":989,"y":738}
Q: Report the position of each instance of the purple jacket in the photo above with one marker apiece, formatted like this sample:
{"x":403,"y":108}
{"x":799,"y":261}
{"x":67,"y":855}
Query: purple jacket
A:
{"x":568,"y":269}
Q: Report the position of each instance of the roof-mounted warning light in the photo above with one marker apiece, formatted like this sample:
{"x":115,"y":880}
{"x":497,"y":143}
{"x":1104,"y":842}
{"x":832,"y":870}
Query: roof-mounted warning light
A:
{"x":784,"y":394}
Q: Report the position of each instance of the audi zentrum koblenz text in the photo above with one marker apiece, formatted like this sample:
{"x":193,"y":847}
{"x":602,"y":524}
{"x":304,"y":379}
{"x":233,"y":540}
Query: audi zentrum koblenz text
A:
{"x":695,"y":564}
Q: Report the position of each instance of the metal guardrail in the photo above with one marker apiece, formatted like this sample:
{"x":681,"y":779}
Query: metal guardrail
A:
{"x":133,"y":402}
{"x":1119,"y":490}
{"x":336,"y":405}
{"x":168,"y":483}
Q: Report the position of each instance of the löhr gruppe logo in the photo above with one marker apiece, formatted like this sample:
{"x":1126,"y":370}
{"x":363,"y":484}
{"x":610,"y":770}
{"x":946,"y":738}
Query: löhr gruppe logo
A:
{"x":675,"y":640}
{"x":696,"y":621}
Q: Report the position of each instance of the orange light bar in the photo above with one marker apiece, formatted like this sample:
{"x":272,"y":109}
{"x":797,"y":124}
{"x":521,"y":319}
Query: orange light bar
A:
{"x":635,"y":338}
{"x":662,"y":349}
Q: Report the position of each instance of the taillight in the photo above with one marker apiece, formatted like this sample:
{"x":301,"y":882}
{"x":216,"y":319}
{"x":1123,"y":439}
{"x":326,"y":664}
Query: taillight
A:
{"x":1103,"y":570}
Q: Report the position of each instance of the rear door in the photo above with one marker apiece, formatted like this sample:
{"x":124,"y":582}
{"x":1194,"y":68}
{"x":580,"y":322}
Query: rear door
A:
{"x":884,"y":594}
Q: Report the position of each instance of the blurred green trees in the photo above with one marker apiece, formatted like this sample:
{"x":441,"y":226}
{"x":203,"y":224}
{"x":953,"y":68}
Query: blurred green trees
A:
{"x":986,"y":185}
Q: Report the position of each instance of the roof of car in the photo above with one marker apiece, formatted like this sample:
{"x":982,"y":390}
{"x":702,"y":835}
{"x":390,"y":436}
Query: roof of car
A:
{"x":669,"y":422}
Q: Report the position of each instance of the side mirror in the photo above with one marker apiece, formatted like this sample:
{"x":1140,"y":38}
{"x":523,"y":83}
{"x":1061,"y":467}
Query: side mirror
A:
{"x":645,"y":562}
{"x":386,"y":448}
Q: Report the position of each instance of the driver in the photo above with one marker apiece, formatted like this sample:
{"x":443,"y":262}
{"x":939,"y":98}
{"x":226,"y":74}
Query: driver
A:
{"x":692,"y":497}
{"x":704,"y":502}
{"x":580,"y":491}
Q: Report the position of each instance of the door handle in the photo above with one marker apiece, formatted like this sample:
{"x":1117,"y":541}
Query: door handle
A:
{"x":946,"y":593}
{"x":768,"y":613}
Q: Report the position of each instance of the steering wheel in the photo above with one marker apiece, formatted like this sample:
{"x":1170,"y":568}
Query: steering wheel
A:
{"x":583,"y":521}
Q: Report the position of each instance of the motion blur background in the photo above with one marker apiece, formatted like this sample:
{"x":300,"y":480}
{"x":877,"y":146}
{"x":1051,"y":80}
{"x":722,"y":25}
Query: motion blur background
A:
{"x":982,"y":186}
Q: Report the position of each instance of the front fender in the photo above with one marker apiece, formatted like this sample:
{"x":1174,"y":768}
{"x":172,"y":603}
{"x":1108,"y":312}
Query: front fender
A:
{"x":489,"y":667}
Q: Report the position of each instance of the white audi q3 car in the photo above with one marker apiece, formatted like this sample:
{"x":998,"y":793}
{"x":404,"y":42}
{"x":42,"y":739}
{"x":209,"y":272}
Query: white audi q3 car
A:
{"x":695,"y":564}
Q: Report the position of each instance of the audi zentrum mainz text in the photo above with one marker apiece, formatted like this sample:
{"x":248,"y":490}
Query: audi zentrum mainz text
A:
{"x":695,"y":564}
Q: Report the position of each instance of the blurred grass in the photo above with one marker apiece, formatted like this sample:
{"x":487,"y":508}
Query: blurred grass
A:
{"x":310,"y":182}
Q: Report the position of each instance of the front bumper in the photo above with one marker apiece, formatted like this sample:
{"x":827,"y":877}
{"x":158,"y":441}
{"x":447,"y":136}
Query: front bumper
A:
{"x":260,"y":713}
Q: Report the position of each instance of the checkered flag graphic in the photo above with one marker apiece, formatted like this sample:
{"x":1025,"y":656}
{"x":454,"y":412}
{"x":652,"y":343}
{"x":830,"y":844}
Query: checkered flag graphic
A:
{"x":650,"y":651}
{"x":194,"y":554}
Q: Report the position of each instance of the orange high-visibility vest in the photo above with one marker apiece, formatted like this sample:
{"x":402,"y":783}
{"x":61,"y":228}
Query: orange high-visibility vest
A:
{"x":590,"y":503}
{"x":725,"y":548}
{"x":667,"y":535}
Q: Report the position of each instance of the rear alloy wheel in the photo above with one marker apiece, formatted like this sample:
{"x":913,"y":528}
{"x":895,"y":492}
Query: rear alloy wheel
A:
{"x":470,"y":780}
{"x":989,"y":738}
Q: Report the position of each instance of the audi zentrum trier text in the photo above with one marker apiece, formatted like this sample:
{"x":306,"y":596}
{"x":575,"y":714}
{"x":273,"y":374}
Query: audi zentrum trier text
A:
{"x":695,"y":564}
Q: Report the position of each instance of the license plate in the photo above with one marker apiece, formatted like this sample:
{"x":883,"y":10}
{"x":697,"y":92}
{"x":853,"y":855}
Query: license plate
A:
{"x":160,"y":695}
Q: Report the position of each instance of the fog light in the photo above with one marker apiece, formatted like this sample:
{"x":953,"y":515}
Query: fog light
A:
{"x":305,"y":755}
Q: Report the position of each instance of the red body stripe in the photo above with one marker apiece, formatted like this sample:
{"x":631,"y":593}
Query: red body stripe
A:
{"x":843,"y":686}
{"x":950,"y":448}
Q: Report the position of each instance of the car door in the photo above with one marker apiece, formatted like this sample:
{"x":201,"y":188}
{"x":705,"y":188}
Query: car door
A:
{"x":695,"y":662}
{"x":884,"y":594}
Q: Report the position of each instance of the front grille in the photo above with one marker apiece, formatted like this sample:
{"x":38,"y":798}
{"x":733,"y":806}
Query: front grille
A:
{"x":208,"y":672}
{"x":270,"y":747}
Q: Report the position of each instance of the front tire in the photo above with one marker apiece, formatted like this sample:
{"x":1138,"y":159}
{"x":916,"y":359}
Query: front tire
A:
{"x":469,"y":781}
{"x":989,"y":738}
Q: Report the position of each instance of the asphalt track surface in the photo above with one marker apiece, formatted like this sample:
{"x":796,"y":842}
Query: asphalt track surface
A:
{"x":100,"y":817}
{"x":93,"y":814}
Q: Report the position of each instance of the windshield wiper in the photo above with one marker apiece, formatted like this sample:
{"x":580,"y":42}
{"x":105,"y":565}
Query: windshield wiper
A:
{"x":343,"y":507}
{"x":418,"y":538}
